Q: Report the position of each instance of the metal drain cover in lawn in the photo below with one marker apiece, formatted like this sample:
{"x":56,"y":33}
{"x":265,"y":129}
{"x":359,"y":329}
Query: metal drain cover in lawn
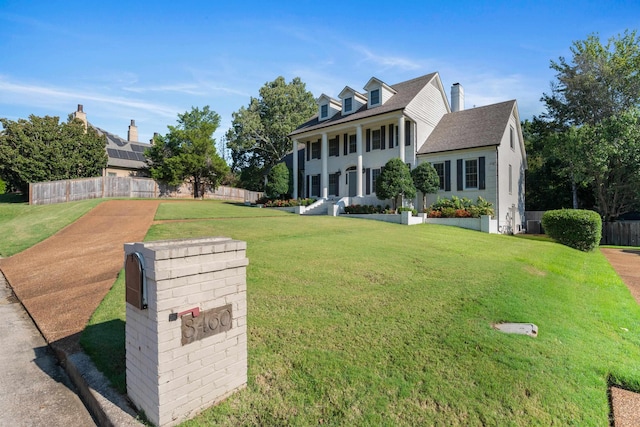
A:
{"x":517,"y":328}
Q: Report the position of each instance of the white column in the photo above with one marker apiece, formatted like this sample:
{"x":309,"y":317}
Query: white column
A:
{"x":359,"y":164}
{"x":325,"y":177}
{"x":401,"y":137}
{"x":295,"y":169}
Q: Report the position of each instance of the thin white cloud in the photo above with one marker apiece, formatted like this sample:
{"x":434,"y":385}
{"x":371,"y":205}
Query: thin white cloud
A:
{"x":386,"y":61}
{"x":29,"y":94}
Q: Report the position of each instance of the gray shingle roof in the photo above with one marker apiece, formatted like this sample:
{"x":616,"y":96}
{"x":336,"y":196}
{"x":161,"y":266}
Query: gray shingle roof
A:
{"x":123,"y":153}
{"x":406,"y":91}
{"x":473,"y":128}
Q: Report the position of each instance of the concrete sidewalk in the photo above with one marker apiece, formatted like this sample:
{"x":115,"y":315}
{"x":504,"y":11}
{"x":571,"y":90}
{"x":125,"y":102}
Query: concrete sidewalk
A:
{"x":34,"y":389}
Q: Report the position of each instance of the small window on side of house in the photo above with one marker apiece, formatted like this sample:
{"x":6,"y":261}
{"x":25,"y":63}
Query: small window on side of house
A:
{"x":512,"y":137}
{"x":324,"y":111}
{"x":510,"y":179}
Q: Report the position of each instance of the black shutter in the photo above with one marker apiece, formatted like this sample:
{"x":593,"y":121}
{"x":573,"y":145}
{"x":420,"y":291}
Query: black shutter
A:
{"x":481,"y":181}
{"x":407,"y":133}
{"x":368,"y":179}
{"x":460,"y":174}
{"x":383,"y":132}
{"x":368,"y":140}
{"x":391,"y":135}
{"x":320,"y":148}
{"x":308,"y":187}
{"x":346,"y":144}
{"x":307,"y":148}
{"x":447,"y":175}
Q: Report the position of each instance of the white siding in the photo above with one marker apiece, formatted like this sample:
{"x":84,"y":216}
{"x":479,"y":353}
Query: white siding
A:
{"x":514,"y":157}
{"x":427,"y":108}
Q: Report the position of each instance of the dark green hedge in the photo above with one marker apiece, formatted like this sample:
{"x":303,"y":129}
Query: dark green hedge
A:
{"x":578,"y":229}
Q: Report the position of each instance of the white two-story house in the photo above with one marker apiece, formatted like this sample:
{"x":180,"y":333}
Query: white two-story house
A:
{"x":477,"y":152}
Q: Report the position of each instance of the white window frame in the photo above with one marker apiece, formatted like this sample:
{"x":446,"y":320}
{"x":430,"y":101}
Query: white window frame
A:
{"x":376,"y":141}
{"x":378,"y":95}
{"x":324,"y":111}
{"x":348,"y":104}
{"x":469,"y":174}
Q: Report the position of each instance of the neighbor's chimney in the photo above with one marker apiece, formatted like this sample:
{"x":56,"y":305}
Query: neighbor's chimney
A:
{"x":81,"y":115}
{"x":132,"y":135}
{"x":457,"y":97}
{"x":154,"y":138}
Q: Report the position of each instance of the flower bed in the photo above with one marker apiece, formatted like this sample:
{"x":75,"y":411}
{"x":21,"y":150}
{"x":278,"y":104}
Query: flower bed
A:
{"x":460,"y":208}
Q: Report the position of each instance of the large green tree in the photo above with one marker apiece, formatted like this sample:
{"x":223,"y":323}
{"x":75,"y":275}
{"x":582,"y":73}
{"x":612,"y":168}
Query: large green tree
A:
{"x":426,"y":180}
{"x":258,"y":138}
{"x":611,"y":161}
{"x":600,"y":80}
{"x":395,"y":182}
{"x":187,"y":153}
{"x":597,"y":87}
{"x":45,"y":149}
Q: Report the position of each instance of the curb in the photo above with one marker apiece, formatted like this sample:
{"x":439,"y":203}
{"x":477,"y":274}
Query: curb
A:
{"x":108,"y":407}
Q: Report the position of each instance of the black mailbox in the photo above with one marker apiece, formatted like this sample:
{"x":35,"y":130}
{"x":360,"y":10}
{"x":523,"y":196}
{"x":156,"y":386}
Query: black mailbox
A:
{"x":135,"y":280}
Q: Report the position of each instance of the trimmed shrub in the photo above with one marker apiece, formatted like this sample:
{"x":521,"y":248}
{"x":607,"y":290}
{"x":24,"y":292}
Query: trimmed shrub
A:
{"x":578,"y":229}
{"x":3,"y":187}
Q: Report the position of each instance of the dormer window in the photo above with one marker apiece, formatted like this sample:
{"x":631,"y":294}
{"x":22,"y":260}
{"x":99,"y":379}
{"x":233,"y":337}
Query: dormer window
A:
{"x":348,"y":104}
{"x":375,"y":96}
{"x":324,"y":111}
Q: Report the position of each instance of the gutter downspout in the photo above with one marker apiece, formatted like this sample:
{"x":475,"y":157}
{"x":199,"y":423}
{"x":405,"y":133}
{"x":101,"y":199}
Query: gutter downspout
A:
{"x":498,"y":186}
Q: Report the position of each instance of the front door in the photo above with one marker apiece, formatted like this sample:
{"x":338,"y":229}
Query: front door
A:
{"x":353,"y":183}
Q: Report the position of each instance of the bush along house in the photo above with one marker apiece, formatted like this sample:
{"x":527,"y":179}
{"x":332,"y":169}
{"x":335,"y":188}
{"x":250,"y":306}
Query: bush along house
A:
{"x":477,"y":152}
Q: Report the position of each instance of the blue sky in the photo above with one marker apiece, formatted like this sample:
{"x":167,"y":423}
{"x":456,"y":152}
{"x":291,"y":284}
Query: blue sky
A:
{"x":149,"y":61}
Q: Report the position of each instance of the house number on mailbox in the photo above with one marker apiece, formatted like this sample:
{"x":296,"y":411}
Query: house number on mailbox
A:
{"x":209,"y":322}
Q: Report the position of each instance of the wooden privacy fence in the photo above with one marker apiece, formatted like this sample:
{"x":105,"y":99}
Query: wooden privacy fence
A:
{"x":621,"y":233}
{"x":69,"y":190}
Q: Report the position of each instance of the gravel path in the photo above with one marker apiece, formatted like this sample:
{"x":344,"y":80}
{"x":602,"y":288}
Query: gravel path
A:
{"x":62,"y":280}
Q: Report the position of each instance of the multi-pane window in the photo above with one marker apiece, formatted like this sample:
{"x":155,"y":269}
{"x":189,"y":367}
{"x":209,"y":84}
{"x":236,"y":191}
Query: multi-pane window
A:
{"x":324,"y":111}
{"x":439,"y":167}
{"x":375,"y":174}
{"x":334,"y":147}
{"x":352,"y":144}
{"x":315,"y":185}
{"x":375,"y":139}
{"x":375,"y":97}
{"x":333,"y":184}
{"x":315,"y":150}
{"x":348,"y":104}
{"x":471,"y":173}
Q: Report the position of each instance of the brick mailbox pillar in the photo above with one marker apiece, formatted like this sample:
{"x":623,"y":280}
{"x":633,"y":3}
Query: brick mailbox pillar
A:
{"x":186,"y":328}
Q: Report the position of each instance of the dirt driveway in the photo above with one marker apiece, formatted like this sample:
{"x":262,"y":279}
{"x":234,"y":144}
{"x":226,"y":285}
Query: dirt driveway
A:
{"x":62,"y":280}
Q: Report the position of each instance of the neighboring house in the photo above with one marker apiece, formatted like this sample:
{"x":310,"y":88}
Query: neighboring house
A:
{"x":126,"y":156}
{"x":477,"y":152}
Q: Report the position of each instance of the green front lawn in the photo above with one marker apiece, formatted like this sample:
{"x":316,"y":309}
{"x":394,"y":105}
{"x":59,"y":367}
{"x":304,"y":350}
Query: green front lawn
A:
{"x":24,"y":225}
{"x":355,"y":322}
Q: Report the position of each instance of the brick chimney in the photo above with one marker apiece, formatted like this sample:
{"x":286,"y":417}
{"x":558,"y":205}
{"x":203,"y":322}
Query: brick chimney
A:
{"x":132,"y":135}
{"x":80,"y":114}
{"x":457,"y":97}
{"x":154,"y":138}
